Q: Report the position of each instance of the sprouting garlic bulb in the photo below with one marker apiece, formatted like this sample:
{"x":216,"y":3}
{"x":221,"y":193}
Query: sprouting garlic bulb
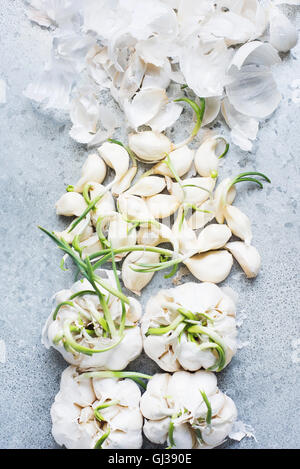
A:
{"x":247,"y":256}
{"x":94,"y":169}
{"x":175,"y":409}
{"x":77,"y":328}
{"x":136,"y":281}
{"x":74,"y":422}
{"x":70,"y":204}
{"x":150,"y":146}
{"x":209,"y":341}
{"x":212,"y":266}
{"x":181,"y":160}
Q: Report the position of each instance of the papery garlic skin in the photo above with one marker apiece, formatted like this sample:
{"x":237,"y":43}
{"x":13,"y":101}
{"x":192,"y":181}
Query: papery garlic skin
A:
{"x":149,"y":146}
{"x":247,"y":256}
{"x":283,"y":34}
{"x":179,"y":399}
{"x":70,"y":204}
{"x":94,"y":169}
{"x":136,"y":281}
{"x":74,"y":424}
{"x":84,"y":311}
{"x":172,"y":353}
{"x":212,"y":266}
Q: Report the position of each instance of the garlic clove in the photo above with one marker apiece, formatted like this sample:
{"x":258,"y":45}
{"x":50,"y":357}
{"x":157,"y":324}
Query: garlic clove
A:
{"x":106,"y":204}
{"x":116,"y":157}
{"x":124,"y":183}
{"x":133,"y":207}
{"x":162,"y":205}
{"x":213,"y":237}
{"x":94,"y":169}
{"x":181,"y":160}
{"x":148,"y":186}
{"x":157,"y":430}
{"x":247,"y":256}
{"x":120,"y":234}
{"x":70,"y":204}
{"x":206,"y":161}
{"x":239,"y":223}
{"x":136,"y":281}
{"x":199,"y":219}
{"x":193,"y":190}
{"x":213,"y":266}
{"x":222,"y":198}
{"x":183,"y":436}
{"x":150,"y":146}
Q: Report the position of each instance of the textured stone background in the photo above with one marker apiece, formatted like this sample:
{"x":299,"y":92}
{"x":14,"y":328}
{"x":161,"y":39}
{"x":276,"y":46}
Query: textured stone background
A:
{"x":38,"y":159}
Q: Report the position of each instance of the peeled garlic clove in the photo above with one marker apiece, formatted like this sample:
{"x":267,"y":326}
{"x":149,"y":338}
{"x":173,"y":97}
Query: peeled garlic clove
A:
{"x":150,"y":146}
{"x":206,"y":161}
{"x":106,"y":204}
{"x":247,"y":256}
{"x":213,"y":266}
{"x":68,"y":235}
{"x":120,"y":234}
{"x":152,"y":235}
{"x":136,"y":281}
{"x":186,"y":237}
{"x":181,"y":160}
{"x":116,"y":157}
{"x":94,"y":169}
{"x":239,"y":223}
{"x":162,"y":205}
{"x":124,"y":183}
{"x":283,"y":34}
{"x":70,"y":204}
{"x":133,"y":207}
{"x":194,"y":190}
{"x":222,"y":198}
{"x":200,"y":219}
{"x":148,"y":186}
{"x":213,"y":237}
{"x":91,"y":246}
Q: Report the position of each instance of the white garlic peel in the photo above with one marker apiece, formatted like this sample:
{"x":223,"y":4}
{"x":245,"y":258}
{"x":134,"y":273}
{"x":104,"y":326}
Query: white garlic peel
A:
{"x":247,"y":256}
{"x":74,"y":424}
{"x":212,"y":310}
{"x":84,"y":312}
{"x":178,"y":398}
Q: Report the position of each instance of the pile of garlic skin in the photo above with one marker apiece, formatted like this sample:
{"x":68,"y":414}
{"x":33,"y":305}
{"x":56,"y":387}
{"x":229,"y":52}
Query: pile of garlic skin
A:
{"x":140,"y":55}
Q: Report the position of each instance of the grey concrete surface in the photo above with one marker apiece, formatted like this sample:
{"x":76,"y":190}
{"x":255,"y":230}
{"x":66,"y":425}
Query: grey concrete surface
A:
{"x":38,"y":160}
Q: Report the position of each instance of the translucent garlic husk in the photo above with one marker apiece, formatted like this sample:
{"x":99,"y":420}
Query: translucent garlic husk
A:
{"x":149,"y":146}
{"x":247,"y":256}
{"x":136,"y":281}
{"x":70,"y":204}
{"x":94,"y":169}
{"x":172,"y":353}
{"x":212,"y":266}
{"x":85,"y":311}
{"x":74,"y":424}
{"x":177,"y":397}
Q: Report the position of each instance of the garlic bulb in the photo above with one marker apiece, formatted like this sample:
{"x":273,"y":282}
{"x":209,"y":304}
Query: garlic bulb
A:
{"x":92,"y":412}
{"x":247,"y":256}
{"x":212,"y":266}
{"x":77,"y":328}
{"x":174,"y":343}
{"x":181,"y":160}
{"x":136,"y":281}
{"x":149,"y":146}
{"x":94,"y":169}
{"x":187,"y":410}
{"x":71,"y":203}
